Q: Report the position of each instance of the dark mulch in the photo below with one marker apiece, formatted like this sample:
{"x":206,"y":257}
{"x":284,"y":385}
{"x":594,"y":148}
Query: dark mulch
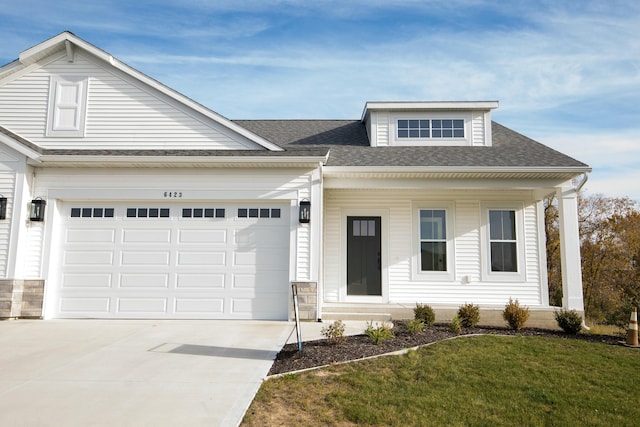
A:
{"x":323,"y":352}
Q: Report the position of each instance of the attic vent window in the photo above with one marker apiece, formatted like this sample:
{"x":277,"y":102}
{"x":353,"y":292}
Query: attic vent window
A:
{"x":425,"y":128}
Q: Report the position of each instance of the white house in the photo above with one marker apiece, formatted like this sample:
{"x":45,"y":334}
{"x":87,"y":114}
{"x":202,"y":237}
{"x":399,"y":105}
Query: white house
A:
{"x":126,"y":199}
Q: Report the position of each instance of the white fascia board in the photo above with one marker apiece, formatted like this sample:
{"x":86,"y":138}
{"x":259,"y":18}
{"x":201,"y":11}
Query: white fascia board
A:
{"x":183,"y":160}
{"x":36,"y":53}
{"x":9,"y":68}
{"x":33,"y":155}
{"x":428,"y":106}
{"x":329,"y":170}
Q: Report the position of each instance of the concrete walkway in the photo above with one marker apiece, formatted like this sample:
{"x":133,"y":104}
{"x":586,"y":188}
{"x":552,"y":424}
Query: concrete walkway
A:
{"x":133,"y":373}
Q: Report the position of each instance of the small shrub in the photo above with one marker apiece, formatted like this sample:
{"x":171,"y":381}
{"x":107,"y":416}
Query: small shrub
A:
{"x":515,"y":315}
{"x":569,"y":320}
{"x":469,"y":315}
{"x":415,"y":326}
{"x":380,"y":333}
{"x":456,"y":324}
{"x":334,"y":332}
{"x":425,"y":313}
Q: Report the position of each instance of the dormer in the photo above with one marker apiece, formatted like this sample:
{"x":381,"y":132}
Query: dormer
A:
{"x":438,"y":123}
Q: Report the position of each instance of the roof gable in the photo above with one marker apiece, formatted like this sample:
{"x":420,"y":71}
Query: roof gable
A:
{"x":68,"y":54}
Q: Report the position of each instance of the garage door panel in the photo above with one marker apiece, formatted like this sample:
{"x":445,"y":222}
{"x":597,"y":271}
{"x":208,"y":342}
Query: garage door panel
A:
{"x":192,"y":258}
{"x":259,"y":238}
{"x":276,"y":280}
{"x":200,"y":306}
{"x":194,"y":267}
{"x":82,"y":305}
{"x":86,"y":258}
{"x":137,"y":280}
{"x":259,"y":258}
{"x":92,"y":236}
{"x":146,"y":236}
{"x":145,"y":258}
{"x":142,"y":305}
{"x":198,"y":281}
{"x":208,"y":237}
{"x":84,"y":280}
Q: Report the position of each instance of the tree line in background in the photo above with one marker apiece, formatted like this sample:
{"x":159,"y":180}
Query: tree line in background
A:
{"x":610,"y":249}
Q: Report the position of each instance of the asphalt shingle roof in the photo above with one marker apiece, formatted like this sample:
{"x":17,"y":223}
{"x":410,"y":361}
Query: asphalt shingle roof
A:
{"x":349,"y":146}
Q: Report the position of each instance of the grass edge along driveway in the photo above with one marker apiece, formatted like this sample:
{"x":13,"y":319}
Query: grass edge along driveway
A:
{"x":475,"y":381}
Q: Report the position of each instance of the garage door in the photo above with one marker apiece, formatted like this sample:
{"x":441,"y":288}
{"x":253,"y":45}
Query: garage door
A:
{"x":186,"y":261}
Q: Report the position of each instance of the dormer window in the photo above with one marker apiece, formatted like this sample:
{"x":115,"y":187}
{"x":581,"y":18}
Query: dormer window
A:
{"x":434,"y":124}
{"x":435,"y":128}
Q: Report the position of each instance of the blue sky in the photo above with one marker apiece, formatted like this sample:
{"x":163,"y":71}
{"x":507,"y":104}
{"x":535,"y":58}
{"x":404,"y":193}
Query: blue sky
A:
{"x":566,"y":73}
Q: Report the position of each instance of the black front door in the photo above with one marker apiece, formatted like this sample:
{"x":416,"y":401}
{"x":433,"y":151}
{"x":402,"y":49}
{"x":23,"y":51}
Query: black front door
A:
{"x":363,"y":255}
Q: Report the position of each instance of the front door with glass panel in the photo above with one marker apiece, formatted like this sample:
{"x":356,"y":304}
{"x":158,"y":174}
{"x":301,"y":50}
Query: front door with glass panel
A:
{"x":364,"y":275}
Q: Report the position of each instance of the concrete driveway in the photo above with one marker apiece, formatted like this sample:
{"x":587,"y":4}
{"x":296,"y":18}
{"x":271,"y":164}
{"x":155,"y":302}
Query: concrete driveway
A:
{"x":133,"y":372}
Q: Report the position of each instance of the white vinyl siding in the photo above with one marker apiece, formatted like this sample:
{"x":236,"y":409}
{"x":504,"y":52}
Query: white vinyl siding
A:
{"x":7,"y":186}
{"x":121,"y":112}
{"x":467,"y":284}
{"x":478,"y":129}
{"x":467,"y":223}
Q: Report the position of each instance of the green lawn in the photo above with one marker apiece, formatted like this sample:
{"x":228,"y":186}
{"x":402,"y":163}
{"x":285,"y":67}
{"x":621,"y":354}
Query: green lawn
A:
{"x":475,"y":381}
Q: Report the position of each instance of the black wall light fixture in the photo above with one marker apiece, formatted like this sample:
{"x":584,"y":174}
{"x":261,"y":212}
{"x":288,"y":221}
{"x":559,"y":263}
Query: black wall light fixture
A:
{"x":3,"y":207}
{"x":305,"y":211}
{"x":37,"y":209}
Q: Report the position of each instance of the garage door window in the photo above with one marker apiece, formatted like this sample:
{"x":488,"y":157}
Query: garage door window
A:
{"x":147,"y":212}
{"x":258,"y":213}
{"x":203,"y":213}
{"x":92,"y":212}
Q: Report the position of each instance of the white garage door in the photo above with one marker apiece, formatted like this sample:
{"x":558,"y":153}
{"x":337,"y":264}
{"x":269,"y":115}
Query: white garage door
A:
{"x":181,"y":261}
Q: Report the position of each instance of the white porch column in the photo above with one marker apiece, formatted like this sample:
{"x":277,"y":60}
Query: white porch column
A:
{"x":570,"y":249}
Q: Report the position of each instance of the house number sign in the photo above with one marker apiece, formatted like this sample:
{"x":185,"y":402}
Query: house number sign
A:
{"x":173,"y":194}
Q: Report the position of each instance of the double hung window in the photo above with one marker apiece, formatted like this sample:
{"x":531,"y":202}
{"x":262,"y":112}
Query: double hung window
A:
{"x":503,"y":241}
{"x":433,"y":240}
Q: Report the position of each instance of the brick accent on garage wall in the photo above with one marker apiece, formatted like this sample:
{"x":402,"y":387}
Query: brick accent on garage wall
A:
{"x":21,"y":298}
{"x":307,"y":300}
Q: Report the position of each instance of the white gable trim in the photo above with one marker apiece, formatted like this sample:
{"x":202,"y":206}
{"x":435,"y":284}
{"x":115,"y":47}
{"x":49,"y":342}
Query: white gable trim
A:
{"x":44,"y":49}
{"x":33,"y":155}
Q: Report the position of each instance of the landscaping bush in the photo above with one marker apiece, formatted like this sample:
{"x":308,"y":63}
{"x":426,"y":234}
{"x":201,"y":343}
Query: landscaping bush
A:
{"x":334,"y":332}
{"x":380,"y":333}
{"x":515,"y":315}
{"x":469,"y":315}
{"x":569,"y":320}
{"x":456,"y":324}
{"x":425,"y":313}
{"x":415,"y":326}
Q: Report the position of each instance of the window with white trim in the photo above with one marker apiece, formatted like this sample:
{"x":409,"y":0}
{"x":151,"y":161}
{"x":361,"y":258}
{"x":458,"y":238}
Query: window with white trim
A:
{"x":503,"y":241}
{"x":430,"y":128}
{"x":433,"y":240}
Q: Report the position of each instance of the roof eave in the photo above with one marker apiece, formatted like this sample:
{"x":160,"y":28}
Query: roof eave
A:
{"x":177,"y":160}
{"x":471,"y":170}
{"x":427,"y":106}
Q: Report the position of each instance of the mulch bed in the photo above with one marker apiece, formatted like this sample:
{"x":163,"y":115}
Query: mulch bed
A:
{"x":323,"y":352}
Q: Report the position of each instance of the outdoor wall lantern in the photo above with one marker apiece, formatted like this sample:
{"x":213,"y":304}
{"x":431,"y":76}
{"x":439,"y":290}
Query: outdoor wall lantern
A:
{"x":305,"y":211}
{"x":3,"y":207}
{"x":37,"y":209}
